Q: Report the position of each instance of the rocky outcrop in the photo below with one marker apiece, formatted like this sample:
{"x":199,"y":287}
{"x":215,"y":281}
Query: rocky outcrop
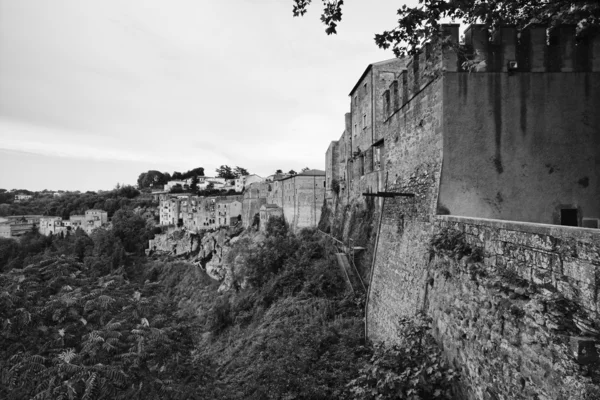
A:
{"x":175,"y":242}
{"x":221,"y":253}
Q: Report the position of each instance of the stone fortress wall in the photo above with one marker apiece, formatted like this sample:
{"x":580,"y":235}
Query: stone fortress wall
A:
{"x":498,"y":153}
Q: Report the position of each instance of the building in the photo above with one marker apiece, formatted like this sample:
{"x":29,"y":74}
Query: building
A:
{"x":15,"y":226}
{"x":22,"y":197}
{"x":171,"y":184}
{"x":93,"y":219}
{"x":228,"y":212}
{"x":255,"y":195}
{"x":243,"y":182}
{"x":197,"y":213}
{"x":301,"y":197}
{"x":51,"y":226}
{"x":268,"y":211}
{"x":169,"y":213}
{"x":501,"y":151}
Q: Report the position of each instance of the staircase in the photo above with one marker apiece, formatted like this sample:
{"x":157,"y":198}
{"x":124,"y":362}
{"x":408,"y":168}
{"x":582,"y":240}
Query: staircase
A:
{"x":344,"y":256}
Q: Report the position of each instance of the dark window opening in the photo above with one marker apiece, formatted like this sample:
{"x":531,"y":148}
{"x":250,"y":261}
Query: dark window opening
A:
{"x":568,"y":217}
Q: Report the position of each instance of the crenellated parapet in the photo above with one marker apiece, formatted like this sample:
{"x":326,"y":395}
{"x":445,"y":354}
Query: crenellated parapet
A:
{"x":532,"y":50}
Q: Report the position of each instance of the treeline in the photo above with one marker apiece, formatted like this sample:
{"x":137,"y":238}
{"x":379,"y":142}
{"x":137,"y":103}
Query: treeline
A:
{"x":153,"y":178}
{"x":72,"y":203}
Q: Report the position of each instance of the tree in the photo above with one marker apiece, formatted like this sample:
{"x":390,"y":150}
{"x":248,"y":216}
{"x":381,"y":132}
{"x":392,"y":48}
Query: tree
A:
{"x":239,"y":171}
{"x":279,"y":171}
{"x":177,"y":175}
{"x":194,"y":184}
{"x":196,"y":171}
{"x":151,"y":178}
{"x":176,"y":189}
{"x":305,"y":169}
{"x":292,"y":172}
{"x":225,"y":171}
{"x":131,"y":229}
{"x":417,"y":24}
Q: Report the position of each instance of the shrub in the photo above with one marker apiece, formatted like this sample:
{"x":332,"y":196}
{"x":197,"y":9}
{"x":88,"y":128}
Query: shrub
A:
{"x":453,"y":244}
{"x":413,"y":369}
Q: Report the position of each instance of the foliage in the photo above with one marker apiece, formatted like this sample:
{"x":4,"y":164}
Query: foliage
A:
{"x":68,"y":334}
{"x":239,"y":171}
{"x":73,"y":203}
{"x":152,"y":178}
{"x":226,"y":172}
{"x":300,"y":330}
{"x":292,"y":172}
{"x":413,"y":369}
{"x":276,"y":226}
{"x":419,"y":23}
{"x":194,"y":184}
{"x":453,"y":244}
{"x":176,"y":189}
{"x":193,"y":172}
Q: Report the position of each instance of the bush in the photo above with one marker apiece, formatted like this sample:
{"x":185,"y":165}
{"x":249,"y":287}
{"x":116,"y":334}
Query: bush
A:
{"x":453,"y":244}
{"x":413,"y":369}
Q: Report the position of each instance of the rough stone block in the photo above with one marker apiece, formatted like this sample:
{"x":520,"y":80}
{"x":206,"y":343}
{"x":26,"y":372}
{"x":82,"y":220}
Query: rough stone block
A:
{"x":580,"y":270}
{"x":588,"y":251}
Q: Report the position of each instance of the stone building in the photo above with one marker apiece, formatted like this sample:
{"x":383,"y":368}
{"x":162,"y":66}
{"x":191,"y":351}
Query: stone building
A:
{"x":99,"y":217}
{"x":501,"y":154}
{"x":22,"y":197}
{"x":229,"y":212}
{"x":51,"y":226}
{"x":354,"y":161}
{"x":15,"y":226}
{"x":301,"y":197}
{"x":169,"y":213}
{"x":268,"y":211}
{"x":92,"y":219}
{"x":255,"y":195}
{"x":243,"y":182}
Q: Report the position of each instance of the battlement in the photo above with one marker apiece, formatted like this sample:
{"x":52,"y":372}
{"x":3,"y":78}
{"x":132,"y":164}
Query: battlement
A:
{"x":534,"y":49}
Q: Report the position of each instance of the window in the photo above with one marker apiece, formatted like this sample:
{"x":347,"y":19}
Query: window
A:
{"x":568,"y":217}
{"x":365,"y":121}
{"x":365,"y":87}
{"x":355,"y":99}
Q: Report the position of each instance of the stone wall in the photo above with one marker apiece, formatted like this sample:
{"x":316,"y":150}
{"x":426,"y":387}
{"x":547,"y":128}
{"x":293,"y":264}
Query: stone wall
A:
{"x":521,"y":323}
{"x":521,"y":146}
{"x":331,"y":168}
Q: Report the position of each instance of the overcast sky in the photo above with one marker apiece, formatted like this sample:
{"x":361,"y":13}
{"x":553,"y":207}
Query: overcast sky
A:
{"x":93,"y":93}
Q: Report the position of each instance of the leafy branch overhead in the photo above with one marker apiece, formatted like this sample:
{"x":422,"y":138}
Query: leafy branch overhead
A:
{"x":417,"y":24}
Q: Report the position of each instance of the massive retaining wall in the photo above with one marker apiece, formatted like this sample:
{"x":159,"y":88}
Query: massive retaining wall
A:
{"x":521,"y":323}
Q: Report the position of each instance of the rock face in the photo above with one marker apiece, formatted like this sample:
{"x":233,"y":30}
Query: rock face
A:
{"x":175,"y":241}
{"x":220,"y":253}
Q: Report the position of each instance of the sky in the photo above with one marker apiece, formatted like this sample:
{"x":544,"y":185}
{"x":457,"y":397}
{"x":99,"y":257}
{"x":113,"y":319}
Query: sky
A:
{"x":95,"y":92}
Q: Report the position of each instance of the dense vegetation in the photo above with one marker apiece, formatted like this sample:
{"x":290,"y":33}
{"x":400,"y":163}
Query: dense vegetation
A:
{"x":72,"y":203}
{"x":91,"y":318}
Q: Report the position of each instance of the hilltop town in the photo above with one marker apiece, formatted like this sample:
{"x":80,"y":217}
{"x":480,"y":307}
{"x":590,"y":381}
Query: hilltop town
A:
{"x":464,"y":186}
